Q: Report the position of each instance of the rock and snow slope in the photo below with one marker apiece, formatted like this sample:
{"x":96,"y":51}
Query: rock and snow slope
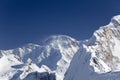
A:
{"x":63,"y":57}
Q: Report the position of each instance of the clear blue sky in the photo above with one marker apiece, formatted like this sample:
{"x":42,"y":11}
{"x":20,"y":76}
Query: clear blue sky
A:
{"x":24,"y":21}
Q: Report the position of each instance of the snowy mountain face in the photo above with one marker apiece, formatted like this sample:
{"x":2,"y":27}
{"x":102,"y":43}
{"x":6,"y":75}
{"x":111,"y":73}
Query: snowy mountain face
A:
{"x":35,"y":61}
{"x":64,"y":58}
{"x":99,"y":57}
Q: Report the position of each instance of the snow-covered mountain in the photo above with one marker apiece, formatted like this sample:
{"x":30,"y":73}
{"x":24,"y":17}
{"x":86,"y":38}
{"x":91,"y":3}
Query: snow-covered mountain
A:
{"x":64,"y":58}
{"x":52,"y":58}
{"x":99,"y":57}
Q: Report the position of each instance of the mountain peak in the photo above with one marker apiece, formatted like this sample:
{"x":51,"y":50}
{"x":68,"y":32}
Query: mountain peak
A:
{"x":116,"y":20}
{"x":57,"y":51}
{"x":58,"y":41}
{"x":55,"y":38}
{"x":99,"y":57}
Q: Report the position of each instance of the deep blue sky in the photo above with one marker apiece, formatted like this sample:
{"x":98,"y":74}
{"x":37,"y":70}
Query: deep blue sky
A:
{"x":24,"y":21}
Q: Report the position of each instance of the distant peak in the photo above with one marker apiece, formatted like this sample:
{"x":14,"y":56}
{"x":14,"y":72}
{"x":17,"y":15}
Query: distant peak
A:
{"x":58,"y":41}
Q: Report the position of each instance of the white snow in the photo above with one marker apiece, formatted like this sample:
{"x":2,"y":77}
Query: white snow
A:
{"x":116,"y":49}
{"x":6,"y":71}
